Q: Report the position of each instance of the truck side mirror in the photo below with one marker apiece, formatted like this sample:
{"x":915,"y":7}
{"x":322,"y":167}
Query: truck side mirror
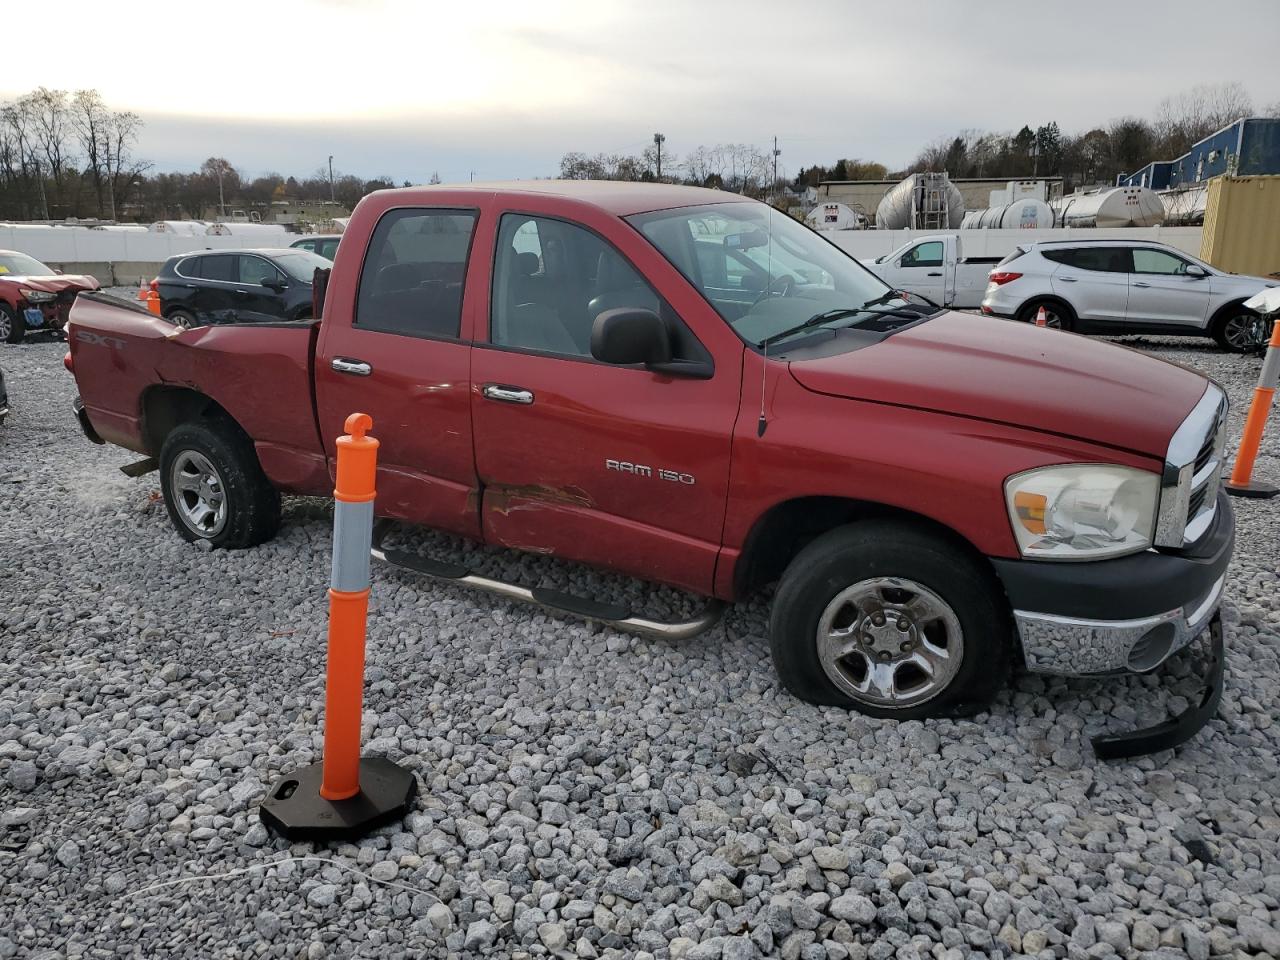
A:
{"x":628,"y":335}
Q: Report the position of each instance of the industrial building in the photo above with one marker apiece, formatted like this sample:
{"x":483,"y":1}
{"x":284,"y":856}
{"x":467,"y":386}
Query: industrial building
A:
{"x":1248,"y":147}
{"x":864,"y":196}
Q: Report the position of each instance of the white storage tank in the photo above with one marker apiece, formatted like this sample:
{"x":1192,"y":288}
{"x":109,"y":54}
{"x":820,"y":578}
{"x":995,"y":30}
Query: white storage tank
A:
{"x":1185,"y":207}
{"x":904,"y":205}
{"x":1025,"y":214}
{"x":1116,"y":207}
{"x":180,"y":228}
{"x":258,"y":232}
{"x":835,"y":216}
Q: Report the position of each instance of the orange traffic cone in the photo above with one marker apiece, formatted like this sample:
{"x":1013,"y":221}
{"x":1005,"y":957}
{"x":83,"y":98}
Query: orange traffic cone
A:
{"x":1042,"y":318}
{"x":142,"y":289}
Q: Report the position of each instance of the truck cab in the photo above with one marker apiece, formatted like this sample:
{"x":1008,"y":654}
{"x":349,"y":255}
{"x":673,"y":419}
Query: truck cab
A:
{"x":934,"y":267}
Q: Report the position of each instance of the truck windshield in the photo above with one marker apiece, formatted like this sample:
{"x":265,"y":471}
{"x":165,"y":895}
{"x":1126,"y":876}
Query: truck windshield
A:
{"x":764,"y":272}
{"x":20,"y":265}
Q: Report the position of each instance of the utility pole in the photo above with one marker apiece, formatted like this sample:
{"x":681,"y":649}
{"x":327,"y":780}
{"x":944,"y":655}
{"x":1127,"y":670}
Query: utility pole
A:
{"x":222,"y":203}
{"x":331,"y":200}
{"x":658,"y":140}
{"x":773,"y":187}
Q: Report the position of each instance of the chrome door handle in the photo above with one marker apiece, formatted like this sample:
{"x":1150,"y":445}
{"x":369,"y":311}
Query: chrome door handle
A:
{"x":357,"y":368}
{"x":495,"y":391}
{"x":1068,"y":279}
{"x":1141,"y":283}
{"x":243,"y":293}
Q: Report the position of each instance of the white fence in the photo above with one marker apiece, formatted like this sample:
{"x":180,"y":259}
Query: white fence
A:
{"x":83,"y":245}
{"x":868,"y":244}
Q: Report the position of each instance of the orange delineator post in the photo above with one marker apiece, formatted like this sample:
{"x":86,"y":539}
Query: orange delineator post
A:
{"x":348,"y":611}
{"x":1255,"y":421}
{"x":153,"y":299}
{"x":345,"y":795}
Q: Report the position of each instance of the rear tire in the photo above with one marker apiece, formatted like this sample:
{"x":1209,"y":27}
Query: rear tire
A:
{"x":183,"y":318}
{"x":214,"y":487}
{"x":1231,"y":330}
{"x":896,"y":610}
{"x":13,"y":326}
{"x":1059,"y":316}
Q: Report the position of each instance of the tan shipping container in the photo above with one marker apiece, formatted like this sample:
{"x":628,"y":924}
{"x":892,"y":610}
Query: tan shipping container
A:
{"x":1242,"y":225}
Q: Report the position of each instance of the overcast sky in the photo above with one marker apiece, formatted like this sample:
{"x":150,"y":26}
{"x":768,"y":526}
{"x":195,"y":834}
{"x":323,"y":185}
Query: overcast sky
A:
{"x":412,"y":87}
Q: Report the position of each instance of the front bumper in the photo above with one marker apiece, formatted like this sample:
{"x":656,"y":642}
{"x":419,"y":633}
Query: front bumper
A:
{"x":1129,"y":614}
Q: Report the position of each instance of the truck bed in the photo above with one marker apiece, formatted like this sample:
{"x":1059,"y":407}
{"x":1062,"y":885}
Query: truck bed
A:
{"x":260,"y":374}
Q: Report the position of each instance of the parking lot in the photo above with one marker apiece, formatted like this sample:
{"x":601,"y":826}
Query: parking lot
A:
{"x":584,"y":792}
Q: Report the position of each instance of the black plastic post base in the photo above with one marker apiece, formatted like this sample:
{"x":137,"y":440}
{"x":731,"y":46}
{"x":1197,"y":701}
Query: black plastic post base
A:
{"x":1254,"y":490}
{"x":295,"y":810}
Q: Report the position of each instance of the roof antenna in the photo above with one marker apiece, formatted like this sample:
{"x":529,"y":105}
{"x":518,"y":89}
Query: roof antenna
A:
{"x":762,"y":423}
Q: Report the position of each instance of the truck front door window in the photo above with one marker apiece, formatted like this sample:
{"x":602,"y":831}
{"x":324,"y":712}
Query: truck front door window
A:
{"x":924,"y":255}
{"x":412,"y":278}
{"x":552,"y":279}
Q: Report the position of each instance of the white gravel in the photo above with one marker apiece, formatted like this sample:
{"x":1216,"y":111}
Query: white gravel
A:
{"x":585,"y":793}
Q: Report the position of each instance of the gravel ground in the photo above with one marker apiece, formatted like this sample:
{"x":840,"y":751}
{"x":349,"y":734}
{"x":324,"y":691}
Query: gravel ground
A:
{"x":585,"y":793}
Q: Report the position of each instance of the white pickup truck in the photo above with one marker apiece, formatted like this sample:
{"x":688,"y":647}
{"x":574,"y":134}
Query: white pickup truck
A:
{"x":932,"y":267}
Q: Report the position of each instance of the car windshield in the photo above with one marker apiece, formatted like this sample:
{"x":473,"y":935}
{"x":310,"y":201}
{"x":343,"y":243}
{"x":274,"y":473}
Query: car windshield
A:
{"x":20,"y":265}
{"x":765,"y":273}
{"x":301,"y":264}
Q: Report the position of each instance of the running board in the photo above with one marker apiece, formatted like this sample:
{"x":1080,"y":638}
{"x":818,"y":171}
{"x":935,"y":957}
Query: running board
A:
{"x":615,"y":615}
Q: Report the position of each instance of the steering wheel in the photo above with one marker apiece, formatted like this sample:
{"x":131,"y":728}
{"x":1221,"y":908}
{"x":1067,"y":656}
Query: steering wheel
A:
{"x":778,"y":287}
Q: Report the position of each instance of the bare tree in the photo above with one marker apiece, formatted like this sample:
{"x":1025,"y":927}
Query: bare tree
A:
{"x":50,"y":125}
{"x":1190,"y":116}
{"x":89,"y":119}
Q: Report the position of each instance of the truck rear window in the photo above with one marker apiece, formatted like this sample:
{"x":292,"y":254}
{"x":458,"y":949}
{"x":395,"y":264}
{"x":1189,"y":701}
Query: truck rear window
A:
{"x":412,"y":278}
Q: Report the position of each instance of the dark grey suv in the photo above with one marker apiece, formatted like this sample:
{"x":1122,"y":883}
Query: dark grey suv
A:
{"x":238,"y":286}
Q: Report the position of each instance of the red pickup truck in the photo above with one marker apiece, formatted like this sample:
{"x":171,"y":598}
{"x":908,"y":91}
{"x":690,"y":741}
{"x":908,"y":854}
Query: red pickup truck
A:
{"x":693,"y":388}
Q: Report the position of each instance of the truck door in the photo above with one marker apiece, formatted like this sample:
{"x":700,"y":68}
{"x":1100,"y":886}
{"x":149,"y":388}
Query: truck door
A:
{"x":1160,"y":291}
{"x":922,"y":271}
{"x":616,"y":466}
{"x":395,"y":351}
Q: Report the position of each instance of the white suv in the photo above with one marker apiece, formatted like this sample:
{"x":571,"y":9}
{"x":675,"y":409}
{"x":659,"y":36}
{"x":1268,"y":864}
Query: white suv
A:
{"x":1123,"y":286}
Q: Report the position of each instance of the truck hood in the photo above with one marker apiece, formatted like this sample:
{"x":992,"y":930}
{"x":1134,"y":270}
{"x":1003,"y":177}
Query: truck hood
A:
{"x":1019,"y":374}
{"x":54,"y":283}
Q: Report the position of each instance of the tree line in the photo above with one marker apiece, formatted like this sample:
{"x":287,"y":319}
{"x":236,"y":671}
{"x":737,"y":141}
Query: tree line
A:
{"x":1093,"y":156}
{"x":67,"y":154}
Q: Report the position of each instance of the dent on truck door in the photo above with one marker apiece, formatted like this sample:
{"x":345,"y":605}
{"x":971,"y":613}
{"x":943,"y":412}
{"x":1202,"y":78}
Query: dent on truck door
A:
{"x":395,"y":353}
{"x":616,"y":466}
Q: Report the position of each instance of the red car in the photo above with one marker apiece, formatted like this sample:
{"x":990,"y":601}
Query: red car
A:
{"x":693,"y":388}
{"x":34,"y":296}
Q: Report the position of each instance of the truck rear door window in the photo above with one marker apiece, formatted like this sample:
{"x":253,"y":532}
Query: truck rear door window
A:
{"x":414,"y":271}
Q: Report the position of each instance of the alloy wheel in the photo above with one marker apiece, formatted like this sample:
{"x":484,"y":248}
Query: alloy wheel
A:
{"x":890,"y":642}
{"x":199,"y":493}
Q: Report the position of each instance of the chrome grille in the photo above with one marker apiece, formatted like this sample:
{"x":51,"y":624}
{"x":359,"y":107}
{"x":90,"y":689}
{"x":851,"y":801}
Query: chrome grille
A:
{"x":1189,"y":489}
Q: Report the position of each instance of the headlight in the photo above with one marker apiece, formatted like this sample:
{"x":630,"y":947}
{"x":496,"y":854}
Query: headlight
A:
{"x":1082,"y":511}
{"x":38,"y":296}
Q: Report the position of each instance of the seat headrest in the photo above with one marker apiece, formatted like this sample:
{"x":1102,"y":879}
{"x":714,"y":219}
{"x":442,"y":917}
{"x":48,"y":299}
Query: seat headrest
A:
{"x":526,"y":264}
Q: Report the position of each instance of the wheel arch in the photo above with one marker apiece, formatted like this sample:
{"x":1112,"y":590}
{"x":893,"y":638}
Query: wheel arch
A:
{"x":1047,"y":298}
{"x":1235,"y":303}
{"x":789,"y":526}
{"x":166,"y":406}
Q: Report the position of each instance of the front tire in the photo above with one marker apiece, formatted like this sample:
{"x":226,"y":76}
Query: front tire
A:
{"x":13,"y":326}
{"x":183,"y":318}
{"x":1058,"y":316}
{"x":214,"y":488}
{"x":888,"y":619}
{"x":1236,"y":330}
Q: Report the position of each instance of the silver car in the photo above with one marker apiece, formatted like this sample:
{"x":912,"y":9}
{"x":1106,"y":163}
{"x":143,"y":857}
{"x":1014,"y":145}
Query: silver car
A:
{"x":1125,"y":286}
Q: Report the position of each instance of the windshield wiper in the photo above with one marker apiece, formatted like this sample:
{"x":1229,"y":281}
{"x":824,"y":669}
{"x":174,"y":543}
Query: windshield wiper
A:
{"x":829,"y":316}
